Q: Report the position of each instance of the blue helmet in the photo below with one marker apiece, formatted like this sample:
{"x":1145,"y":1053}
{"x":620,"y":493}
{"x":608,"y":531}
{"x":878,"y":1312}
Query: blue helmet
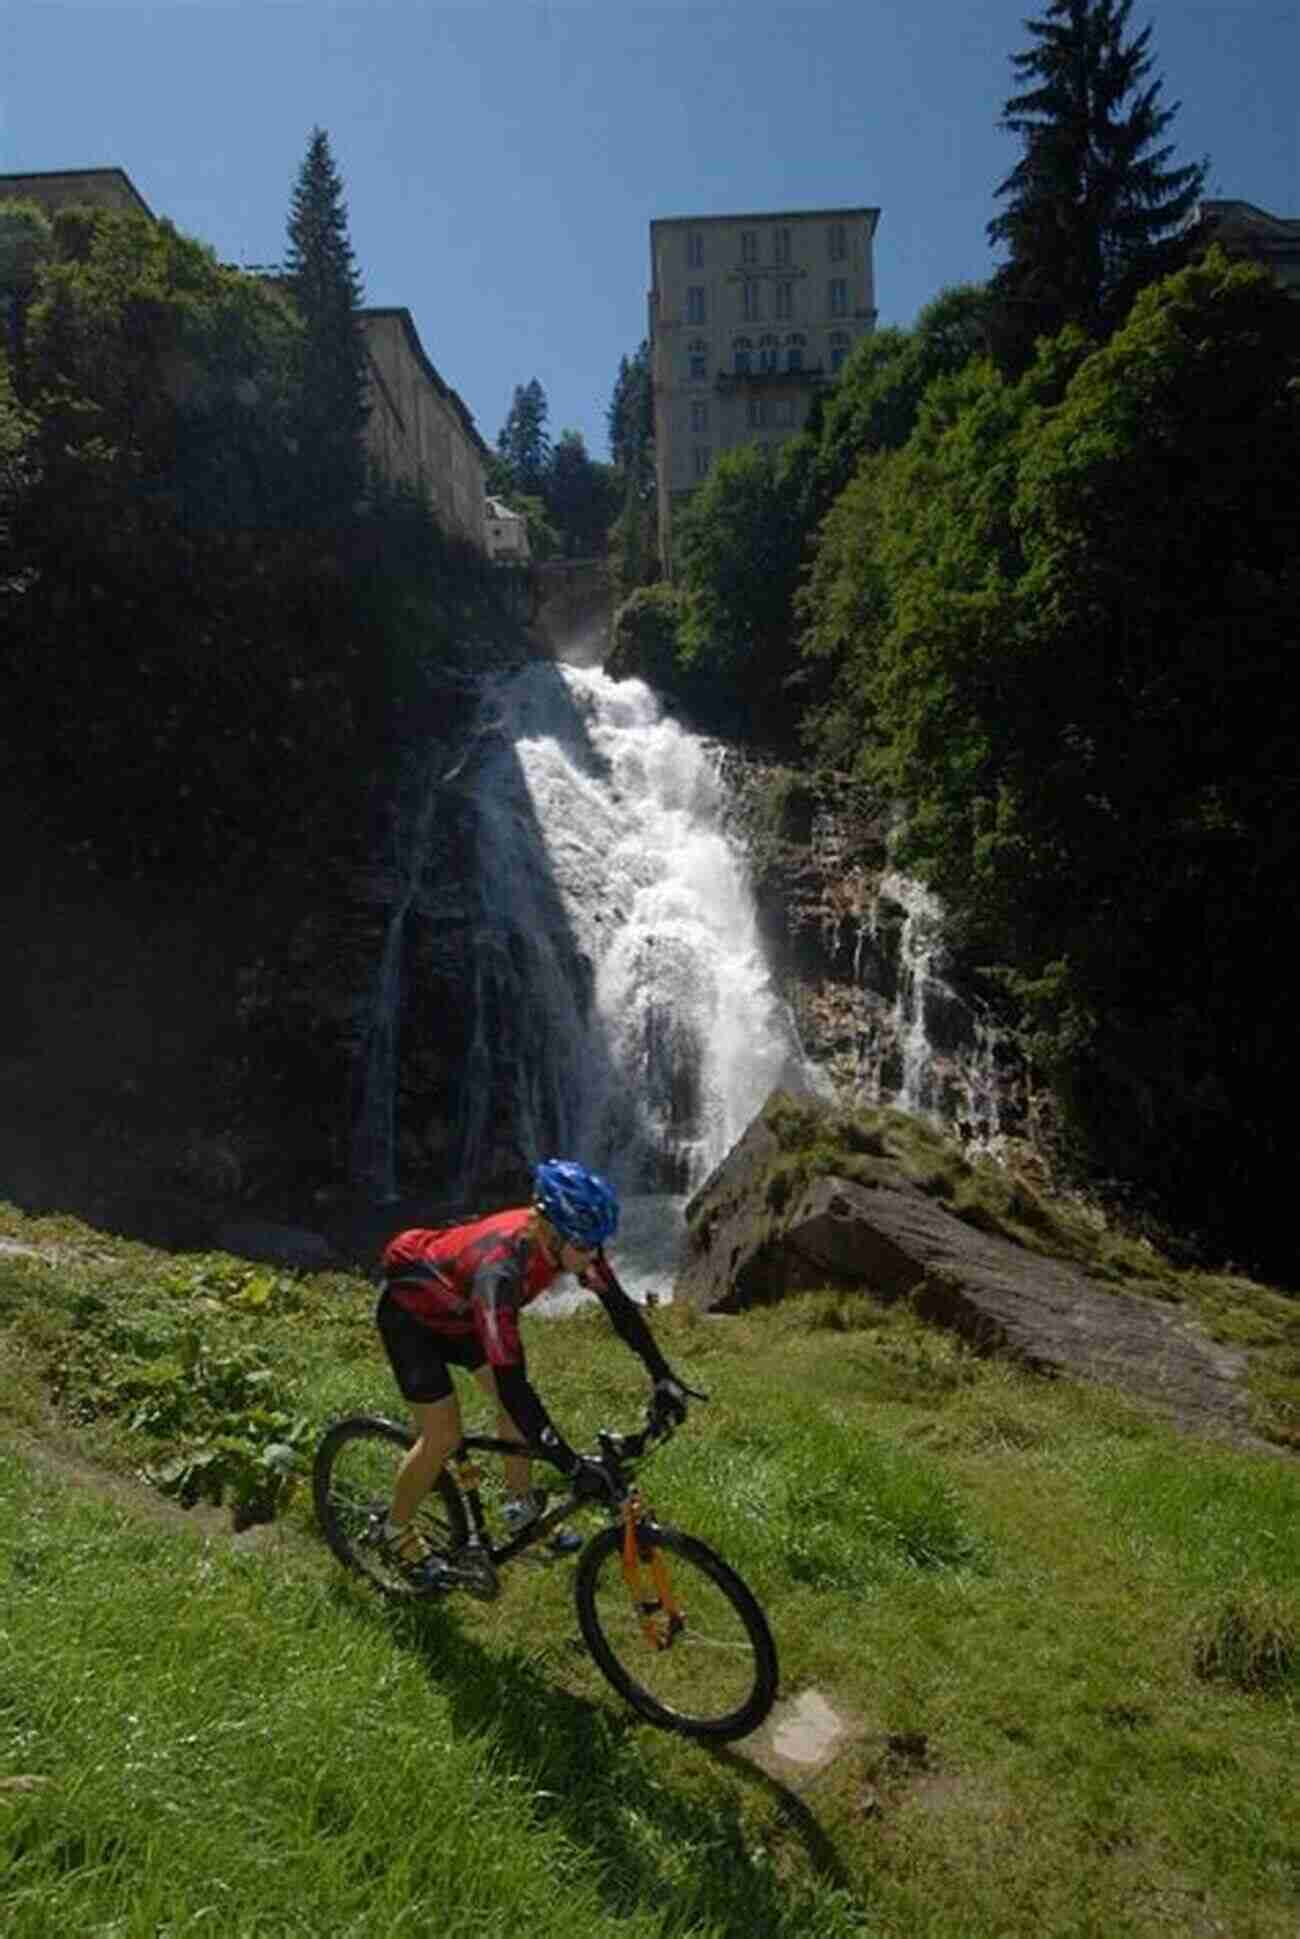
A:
{"x":580,"y":1204}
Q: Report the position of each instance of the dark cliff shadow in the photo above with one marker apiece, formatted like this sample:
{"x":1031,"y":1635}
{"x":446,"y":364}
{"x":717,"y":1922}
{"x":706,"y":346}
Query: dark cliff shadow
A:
{"x":498,"y":1042}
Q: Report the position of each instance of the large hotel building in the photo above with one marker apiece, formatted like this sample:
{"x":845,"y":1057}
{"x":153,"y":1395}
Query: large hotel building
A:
{"x":749,"y":315}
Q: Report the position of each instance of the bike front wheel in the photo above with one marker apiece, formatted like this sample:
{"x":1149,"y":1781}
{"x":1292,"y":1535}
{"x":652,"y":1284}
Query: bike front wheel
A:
{"x":685,"y":1642}
{"x":353,"y":1478}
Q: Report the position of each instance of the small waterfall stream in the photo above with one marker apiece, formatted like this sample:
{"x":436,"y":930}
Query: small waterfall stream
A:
{"x":373,"y":1143}
{"x":929,"y":1052}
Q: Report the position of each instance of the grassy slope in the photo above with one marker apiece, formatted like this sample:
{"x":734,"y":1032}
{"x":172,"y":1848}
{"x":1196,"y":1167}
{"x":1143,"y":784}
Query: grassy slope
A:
{"x":1068,"y":1638}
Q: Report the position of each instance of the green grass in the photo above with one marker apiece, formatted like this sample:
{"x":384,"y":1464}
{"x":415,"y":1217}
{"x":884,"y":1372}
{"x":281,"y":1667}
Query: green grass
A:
{"x":1067,"y":1640}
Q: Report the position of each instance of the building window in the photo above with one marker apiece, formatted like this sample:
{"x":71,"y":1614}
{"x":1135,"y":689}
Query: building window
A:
{"x":757,"y":413}
{"x":839,"y":294}
{"x":700,"y":455}
{"x":839,"y":348}
{"x":784,"y":302}
{"x":769,"y":352}
{"x":695,"y":303}
{"x":751,"y":295}
{"x":781,"y":248}
{"x":744,"y":349}
{"x":794,"y":351}
{"x":837,"y":242}
{"x":749,"y":245}
{"x":697,"y":351}
{"x":699,"y":416}
{"x":695,"y":249}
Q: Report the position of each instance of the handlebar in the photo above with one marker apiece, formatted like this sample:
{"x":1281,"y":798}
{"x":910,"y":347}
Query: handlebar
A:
{"x":617,"y":1448}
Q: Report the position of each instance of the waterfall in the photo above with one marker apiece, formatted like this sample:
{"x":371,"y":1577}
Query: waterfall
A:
{"x":372,"y":1163}
{"x":926,"y":1050}
{"x":623,"y":1010}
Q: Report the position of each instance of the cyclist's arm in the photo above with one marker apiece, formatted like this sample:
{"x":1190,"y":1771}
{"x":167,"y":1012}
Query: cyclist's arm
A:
{"x":626,"y":1317}
{"x":496,"y":1318}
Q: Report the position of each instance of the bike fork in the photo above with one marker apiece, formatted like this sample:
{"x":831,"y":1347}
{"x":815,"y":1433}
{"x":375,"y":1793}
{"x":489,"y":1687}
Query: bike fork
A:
{"x":661,"y":1618}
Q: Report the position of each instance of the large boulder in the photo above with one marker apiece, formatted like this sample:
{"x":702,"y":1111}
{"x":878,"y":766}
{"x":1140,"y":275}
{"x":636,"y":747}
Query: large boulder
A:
{"x":763,"y":1227}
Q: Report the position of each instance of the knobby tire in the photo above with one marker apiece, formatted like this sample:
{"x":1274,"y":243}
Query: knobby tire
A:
{"x":352,"y":1480}
{"x":718,"y":1678}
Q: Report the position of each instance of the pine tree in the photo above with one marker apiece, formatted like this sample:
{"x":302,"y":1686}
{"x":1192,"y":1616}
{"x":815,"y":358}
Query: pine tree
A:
{"x":322,"y":279}
{"x":523,"y":440}
{"x":630,"y":419}
{"x":630,"y":422}
{"x":1091,"y":205}
{"x":582,"y":497}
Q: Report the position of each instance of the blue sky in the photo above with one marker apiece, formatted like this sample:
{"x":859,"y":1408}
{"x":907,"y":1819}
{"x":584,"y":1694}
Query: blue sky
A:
{"x":502,"y":162}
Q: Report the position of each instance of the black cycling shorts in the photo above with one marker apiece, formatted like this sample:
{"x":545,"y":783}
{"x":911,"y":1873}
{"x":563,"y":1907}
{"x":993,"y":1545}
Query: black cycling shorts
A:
{"x":419,"y":1357}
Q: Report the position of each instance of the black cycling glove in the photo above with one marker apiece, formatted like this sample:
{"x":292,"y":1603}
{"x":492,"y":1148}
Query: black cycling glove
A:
{"x":669,"y":1402}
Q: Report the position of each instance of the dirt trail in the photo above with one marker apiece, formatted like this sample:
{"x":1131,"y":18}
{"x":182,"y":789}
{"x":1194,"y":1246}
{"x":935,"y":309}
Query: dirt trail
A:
{"x":136,"y":1497}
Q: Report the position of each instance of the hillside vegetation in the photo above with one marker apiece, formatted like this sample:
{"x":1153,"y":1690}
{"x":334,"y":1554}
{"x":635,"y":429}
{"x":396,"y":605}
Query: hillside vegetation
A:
{"x":1050,"y":619}
{"x":216,"y":680}
{"x":1067,"y":1641}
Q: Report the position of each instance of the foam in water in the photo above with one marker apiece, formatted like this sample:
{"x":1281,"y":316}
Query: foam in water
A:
{"x":620,"y":973}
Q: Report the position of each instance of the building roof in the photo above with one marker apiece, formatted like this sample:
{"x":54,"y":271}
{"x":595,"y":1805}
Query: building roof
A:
{"x":767,"y":215}
{"x":56,"y":185}
{"x":1245,"y":215}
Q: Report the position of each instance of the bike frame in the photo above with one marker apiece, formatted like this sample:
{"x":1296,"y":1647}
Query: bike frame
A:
{"x":467,"y":1480}
{"x":661,"y":1618}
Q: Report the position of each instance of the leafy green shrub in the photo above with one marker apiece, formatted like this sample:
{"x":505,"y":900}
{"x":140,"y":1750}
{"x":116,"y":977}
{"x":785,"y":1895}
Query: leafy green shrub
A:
{"x":645,"y":639}
{"x":864,"y":1134}
{"x":181,"y":1356}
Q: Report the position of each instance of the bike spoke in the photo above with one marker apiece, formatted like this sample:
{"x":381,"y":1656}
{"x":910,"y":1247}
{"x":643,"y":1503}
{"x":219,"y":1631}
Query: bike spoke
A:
{"x":711,"y":1670}
{"x":356,"y":1473}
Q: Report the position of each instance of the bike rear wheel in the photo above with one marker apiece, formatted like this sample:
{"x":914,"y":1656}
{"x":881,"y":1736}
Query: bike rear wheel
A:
{"x":353,"y":1477}
{"x":710,"y":1670}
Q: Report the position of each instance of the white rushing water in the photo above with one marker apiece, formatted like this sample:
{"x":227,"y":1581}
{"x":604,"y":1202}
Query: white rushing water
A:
{"x":937,"y":1057}
{"x":624,"y":1013}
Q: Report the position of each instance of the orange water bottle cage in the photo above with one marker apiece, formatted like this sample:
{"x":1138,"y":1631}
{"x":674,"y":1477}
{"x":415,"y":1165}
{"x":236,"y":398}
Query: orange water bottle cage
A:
{"x":661,"y":1604}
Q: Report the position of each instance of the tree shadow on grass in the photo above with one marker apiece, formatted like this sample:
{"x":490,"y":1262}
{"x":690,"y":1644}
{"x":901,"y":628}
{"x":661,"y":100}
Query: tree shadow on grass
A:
{"x":685,"y":1854}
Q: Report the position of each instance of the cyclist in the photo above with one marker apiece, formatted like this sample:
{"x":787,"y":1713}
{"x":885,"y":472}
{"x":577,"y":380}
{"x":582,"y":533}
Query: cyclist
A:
{"x":452,"y":1297}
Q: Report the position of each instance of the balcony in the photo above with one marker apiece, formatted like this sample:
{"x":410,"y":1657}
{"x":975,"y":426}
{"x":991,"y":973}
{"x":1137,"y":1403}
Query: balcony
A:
{"x":727,"y":382}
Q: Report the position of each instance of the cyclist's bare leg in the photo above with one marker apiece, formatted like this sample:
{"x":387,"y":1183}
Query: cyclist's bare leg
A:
{"x":516,"y":1467}
{"x":438,"y":1429}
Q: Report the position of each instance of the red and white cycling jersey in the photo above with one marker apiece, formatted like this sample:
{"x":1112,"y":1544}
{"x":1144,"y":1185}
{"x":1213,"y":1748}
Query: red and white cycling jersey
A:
{"x":472,"y":1280}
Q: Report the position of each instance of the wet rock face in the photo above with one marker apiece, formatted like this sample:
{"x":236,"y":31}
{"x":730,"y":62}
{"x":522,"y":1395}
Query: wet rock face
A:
{"x":857,"y":952}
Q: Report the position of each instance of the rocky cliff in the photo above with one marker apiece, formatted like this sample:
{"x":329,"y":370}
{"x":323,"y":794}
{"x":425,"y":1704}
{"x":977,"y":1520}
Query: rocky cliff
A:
{"x":858,"y":953}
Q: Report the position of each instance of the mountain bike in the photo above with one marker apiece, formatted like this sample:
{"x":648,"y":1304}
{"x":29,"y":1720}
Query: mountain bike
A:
{"x":669,"y":1623}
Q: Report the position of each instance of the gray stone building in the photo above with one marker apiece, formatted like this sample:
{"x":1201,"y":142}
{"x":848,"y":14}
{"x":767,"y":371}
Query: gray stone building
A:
{"x":419,"y":431}
{"x":749,"y":316}
{"x":60,"y":188}
{"x":1243,"y":230}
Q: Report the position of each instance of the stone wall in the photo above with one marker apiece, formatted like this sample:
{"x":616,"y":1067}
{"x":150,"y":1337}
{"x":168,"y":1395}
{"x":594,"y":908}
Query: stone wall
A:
{"x":573,"y":614}
{"x":419,"y":432}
